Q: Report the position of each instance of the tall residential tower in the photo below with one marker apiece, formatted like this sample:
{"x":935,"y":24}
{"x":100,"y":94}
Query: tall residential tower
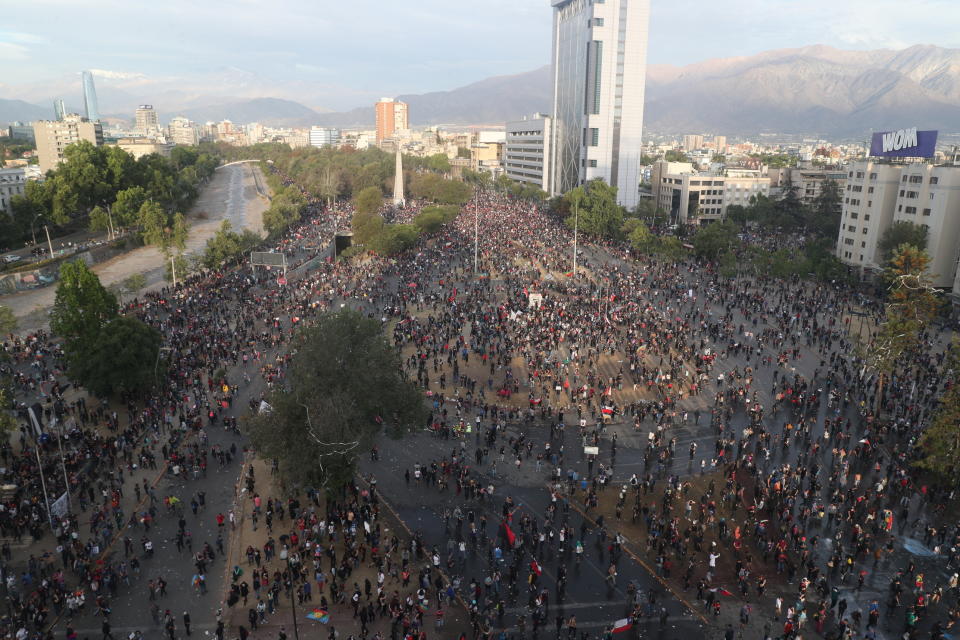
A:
{"x":392,"y":116}
{"x":90,"y":98}
{"x":599,"y":73}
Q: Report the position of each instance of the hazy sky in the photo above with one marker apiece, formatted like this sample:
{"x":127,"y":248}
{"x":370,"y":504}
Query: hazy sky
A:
{"x":395,"y":46}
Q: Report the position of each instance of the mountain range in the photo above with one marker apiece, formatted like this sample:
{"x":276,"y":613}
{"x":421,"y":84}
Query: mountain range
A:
{"x":815,"y":90}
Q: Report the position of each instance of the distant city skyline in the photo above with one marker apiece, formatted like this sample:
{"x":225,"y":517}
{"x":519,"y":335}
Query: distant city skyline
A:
{"x":407,"y":48}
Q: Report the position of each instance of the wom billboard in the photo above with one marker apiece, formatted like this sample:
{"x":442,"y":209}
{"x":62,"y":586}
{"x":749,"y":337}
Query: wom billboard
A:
{"x":905,"y":143}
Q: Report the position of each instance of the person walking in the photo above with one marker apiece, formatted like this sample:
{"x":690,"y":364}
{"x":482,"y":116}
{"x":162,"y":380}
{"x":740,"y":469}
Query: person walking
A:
{"x":186,"y":622}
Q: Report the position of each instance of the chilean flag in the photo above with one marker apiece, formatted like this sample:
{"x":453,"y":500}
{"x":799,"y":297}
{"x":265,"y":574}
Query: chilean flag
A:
{"x":622,"y":625}
{"x":511,"y":536}
{"x":536,"y":568}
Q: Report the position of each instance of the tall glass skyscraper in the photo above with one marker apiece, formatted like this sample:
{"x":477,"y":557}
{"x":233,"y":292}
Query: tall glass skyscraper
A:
{"x":599,"y":76}
{"x":90,"y":98}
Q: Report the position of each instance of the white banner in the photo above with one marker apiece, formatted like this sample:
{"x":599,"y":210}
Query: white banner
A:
{"x":59,"y":507}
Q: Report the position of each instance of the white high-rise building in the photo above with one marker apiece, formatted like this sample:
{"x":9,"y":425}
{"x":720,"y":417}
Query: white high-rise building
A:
{"x":599,"y":73}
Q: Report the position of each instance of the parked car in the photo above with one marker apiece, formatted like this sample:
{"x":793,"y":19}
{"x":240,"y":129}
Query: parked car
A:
{"x":11,"y":258}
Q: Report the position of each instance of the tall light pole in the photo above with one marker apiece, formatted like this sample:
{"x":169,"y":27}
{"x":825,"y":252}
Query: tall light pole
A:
{"x":476,"y":235}
{"x":291,"y":565}
{"x":576,"y":221}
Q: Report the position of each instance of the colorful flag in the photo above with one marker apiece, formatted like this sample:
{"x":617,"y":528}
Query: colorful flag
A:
{"x":535,"y":567}
{"x":622,"y":625}
{"x":319,"y":615}
{"x":511,"y":536}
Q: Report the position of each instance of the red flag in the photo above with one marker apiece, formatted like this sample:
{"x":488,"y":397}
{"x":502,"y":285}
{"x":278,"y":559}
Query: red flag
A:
{"x":535,"y":567}
{"x":511,"y":536}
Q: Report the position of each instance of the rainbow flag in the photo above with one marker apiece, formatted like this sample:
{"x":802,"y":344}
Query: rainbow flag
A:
{"x":319,"y":615}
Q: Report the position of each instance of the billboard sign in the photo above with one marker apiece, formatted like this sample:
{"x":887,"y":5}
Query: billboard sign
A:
{"x":905,"y":143}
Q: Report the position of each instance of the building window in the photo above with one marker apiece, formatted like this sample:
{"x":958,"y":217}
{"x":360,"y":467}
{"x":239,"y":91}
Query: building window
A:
{"x":854,"y":215}
{"x":866,"y":217}
{"x":926,"y":212}
{"x":591,"y":163}
{"x":934,"y":180}
{"x":869,"y":189}
{"x":598,"y":22}
{"x":848,"y":241}
{"x":594,"y":136}
{"x":873,"y":176}
{"x":863,"y":245}
{"x":865,"y":229}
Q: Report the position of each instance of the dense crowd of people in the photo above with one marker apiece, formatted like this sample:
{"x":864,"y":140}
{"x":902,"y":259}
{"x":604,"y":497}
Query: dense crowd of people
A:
{"x":626,"y":345}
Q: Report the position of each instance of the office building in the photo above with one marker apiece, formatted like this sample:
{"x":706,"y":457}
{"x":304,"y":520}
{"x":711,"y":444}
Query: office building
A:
{"x":90,"y":98}
{"x":701,"y":198}
{"x":877,"y":195}
{"x":324,"y":136}
{"x":147,"y":120}
{"x":807,"y":183}
{"x":662,"y":168}
{"x":692,"y":142}
{"x":139,"y":147}
{"x":720,"y":144}
{"x":183,"y":131}
{"x":392,"y":117}
{"x":20,"y":131}
{"x":59,"y":109}
{"x":12,"y":183}
{"x":526,"y":154}
{"x":54,"y":136}
{"x":599,"y":73}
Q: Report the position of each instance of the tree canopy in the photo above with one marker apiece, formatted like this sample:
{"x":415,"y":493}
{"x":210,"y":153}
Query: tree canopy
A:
{"x":594,"y":210}
{"x":105,"y":181}
{"x":344,"y":383}
{"x":105,"y":352}
{"x":900,"y":233}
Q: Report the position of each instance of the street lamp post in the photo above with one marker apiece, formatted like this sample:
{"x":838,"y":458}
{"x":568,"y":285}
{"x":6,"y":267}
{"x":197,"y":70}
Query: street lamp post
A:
{"x":291,"y":565}
{"x":476,"y":236}
{"x":576,"y":221}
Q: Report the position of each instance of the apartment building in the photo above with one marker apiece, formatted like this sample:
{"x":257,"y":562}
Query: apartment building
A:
{"x":13,"y":181}
{"x":879,"y":194}
{"x":53,"y":136}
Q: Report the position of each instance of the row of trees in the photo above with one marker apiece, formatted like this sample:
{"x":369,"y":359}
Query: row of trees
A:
{"x":790,"y":213}
{"x":105,"y":187}
{"x":370,"y":230}
{"x":331,"y":174}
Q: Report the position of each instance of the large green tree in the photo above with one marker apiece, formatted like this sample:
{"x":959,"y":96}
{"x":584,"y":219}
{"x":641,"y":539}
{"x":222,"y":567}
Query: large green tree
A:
{"x":912,"y":304}
{"x":121,"y":356}
{"x":900,"y":233}
{"x":82,"y":305}
{"x":714,"y":239}
{"x":939,"y":444}
{"x":344,"y":382}
{"x":598,"y":213}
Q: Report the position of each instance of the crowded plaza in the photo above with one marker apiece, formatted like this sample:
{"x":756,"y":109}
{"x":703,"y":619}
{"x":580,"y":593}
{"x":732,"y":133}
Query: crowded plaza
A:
{"x":618,"y":446}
